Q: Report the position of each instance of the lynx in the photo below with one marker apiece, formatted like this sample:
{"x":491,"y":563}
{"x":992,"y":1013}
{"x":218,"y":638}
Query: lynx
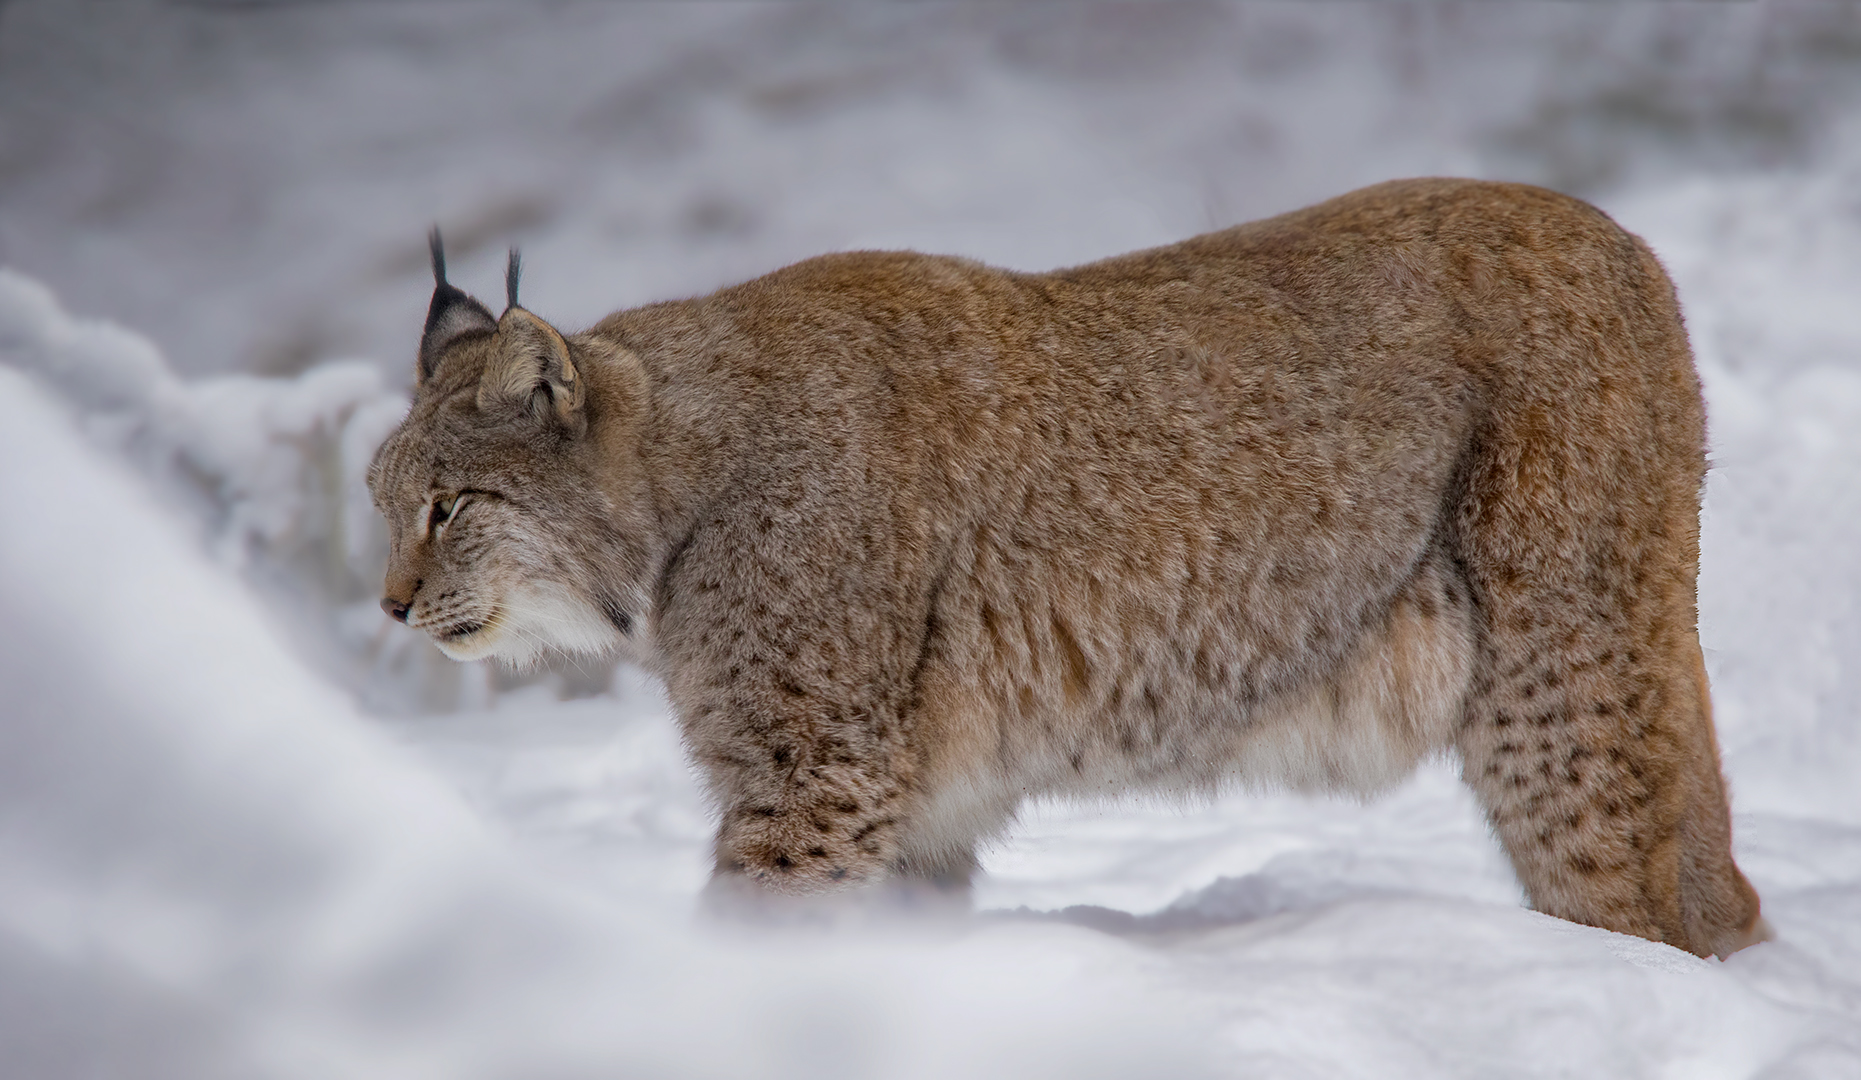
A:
{"x":911,"y":539}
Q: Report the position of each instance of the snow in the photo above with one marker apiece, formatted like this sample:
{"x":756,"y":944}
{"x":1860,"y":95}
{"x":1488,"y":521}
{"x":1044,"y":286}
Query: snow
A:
{"x":249,"y":829}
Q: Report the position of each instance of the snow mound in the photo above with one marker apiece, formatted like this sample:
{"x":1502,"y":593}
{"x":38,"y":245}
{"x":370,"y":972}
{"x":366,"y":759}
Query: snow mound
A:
{"x":270,"y":473}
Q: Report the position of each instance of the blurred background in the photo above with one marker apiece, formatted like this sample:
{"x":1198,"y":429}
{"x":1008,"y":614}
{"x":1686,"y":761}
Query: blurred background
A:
{"x":221,"y":812}
{"x":248,"y":182}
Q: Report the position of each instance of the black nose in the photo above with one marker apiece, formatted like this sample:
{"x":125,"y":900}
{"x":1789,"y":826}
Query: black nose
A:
{"x":395,"y":609}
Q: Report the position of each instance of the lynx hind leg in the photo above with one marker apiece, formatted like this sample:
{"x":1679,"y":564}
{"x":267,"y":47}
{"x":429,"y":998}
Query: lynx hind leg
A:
{"x":1597,"y":766}
{"x":1588,"y":738}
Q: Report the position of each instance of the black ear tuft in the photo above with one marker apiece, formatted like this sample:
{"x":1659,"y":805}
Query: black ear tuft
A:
{"x":451,"y":316}
{"x":439,"y":255}
{"x":511,"y":271}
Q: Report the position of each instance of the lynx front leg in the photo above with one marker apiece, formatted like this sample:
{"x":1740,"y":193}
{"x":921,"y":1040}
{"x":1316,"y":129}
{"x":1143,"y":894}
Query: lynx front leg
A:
{"x":792,"y":680}
{"x":828,"y":800}
{"x":806,"y":810}
{"x":809,"y":779}
{"x":819,"y":790}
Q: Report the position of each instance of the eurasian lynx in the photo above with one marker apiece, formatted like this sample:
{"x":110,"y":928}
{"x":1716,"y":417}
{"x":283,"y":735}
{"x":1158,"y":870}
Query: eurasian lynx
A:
{"x":911,"y":539}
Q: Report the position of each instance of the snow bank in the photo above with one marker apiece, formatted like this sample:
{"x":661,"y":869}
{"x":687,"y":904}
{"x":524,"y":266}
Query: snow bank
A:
{"x":272,"y":465}
{"x":270,"y":473}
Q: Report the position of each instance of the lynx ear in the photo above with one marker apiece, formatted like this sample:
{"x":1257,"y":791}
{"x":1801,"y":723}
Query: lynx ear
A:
{"x":451,"y":316}
{"x":531,"y":372}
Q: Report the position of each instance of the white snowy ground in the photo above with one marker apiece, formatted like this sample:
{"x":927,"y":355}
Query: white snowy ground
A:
{"x":233,"y":845}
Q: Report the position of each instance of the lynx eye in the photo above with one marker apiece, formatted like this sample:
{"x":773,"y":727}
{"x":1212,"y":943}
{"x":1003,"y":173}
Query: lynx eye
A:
{"x":443,"y":509}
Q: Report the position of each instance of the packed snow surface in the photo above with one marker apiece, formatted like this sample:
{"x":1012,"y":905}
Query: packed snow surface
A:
{"x":249,"y":829}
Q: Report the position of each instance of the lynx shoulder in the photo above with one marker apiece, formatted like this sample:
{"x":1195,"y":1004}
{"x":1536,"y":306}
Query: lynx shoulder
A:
{"x":911,"y":539}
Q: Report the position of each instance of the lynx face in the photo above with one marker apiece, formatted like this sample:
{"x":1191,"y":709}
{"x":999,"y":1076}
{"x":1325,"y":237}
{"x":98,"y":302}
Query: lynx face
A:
{"x":478,"y":561}
{"x":501,"y":543}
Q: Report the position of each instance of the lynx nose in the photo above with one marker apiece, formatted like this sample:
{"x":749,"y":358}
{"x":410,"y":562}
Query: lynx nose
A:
{"x":395,"y":609}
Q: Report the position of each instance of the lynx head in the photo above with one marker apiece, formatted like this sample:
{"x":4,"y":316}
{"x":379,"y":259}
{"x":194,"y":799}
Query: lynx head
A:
{"x":503,"y":541}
